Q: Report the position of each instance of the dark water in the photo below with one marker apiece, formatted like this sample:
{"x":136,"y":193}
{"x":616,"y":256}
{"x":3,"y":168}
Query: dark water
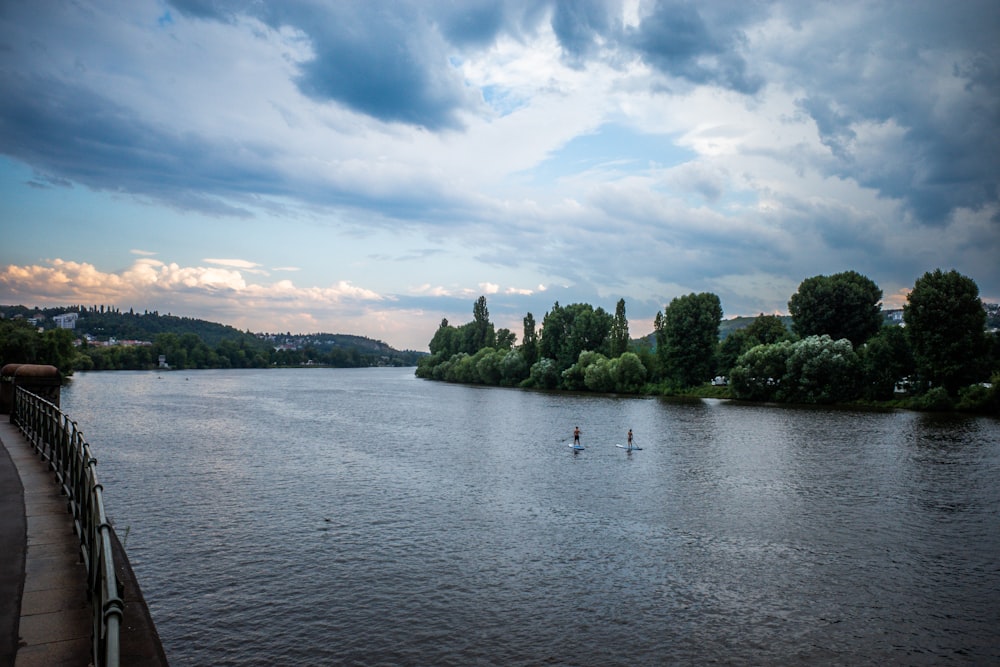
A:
{"x":366,"y":517}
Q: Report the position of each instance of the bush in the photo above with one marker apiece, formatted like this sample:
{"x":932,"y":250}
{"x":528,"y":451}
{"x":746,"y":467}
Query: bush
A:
{"x":544,"y":374}
{"x":821,"y":370}
{"x":934,"y":400}
{"x":598,"y":375}
{"x":980,"y":398}
{"x":629,"y":373}
{"x":758,"y":372}
{"x":513,"y":368}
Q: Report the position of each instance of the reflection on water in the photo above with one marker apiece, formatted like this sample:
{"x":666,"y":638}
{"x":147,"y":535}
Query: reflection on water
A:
{"x":366,"y":517}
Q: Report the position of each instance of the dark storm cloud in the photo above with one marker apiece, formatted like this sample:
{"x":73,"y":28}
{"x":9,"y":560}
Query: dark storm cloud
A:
{"x":393,"y":61}
{"x":580,"y":25}
{"x":931,"y":71}
{"x":681,"y":39}
{"x":390,"y":60}
{"x":69,"y":132}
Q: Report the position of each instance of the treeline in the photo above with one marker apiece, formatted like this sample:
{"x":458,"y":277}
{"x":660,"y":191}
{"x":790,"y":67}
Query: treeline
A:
{"x":838,"y":349}
{"x":109,"y":322}
{"x":184,"y":343}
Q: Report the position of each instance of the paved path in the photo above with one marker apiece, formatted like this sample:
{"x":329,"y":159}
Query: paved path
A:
{"x":54,"y":624}
{"x":45,"y":617}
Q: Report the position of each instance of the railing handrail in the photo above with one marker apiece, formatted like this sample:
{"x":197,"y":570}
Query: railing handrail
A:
{"x":57,"y":439}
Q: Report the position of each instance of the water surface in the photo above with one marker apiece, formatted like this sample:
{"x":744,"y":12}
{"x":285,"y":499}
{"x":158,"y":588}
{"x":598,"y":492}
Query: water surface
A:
{"x":363,"y":516}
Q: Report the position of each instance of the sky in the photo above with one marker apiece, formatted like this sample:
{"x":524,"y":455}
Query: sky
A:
{"x":374,"y":167}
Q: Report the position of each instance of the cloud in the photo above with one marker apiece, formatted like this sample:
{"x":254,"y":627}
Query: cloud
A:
{"x":234,"y":263}
{"x":149,"y":282}
{"x":697,"y":43}
{"x":637,"y":149}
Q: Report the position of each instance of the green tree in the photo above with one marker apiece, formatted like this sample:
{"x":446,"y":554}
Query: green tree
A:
{"x":687,"y":338}
{"x":574,"y":377}
{"x":764,"y":330}
{"x":885,"y":360}
{"x":553,"y":332}
{"x":445,"y":340}
{"x":19,"y":342}
{"x":629,"y":373}
{"x":945,"y":324}
{"x":505,"y":339}
{"x":480,"y":330}
{"x":488,"y":363}
{"x":821,"y":370}
{"x":599,"y":375}
{"x":758,"y":373}
{"x":844,"y":305}
{"x":57,"y":350}
{"x":618,"y":339}
{"x":544,"y":374}
{"x":569,"y":330}
{"x":529,"y":341}
{"x":513,"y":368}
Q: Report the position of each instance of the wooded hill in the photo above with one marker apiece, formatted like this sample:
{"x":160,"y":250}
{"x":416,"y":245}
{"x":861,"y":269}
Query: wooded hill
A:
{"x":110,"y":339}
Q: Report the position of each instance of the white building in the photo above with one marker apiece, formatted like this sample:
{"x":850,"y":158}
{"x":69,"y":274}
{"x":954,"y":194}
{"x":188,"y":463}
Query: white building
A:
{"x":66,"y":320}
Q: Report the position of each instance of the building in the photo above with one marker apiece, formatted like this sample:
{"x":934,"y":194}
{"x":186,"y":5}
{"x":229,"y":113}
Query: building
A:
{"x":66,"y":320}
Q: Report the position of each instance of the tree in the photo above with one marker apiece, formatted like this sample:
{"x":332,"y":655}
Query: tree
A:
{"x":885,"y":360}
{"x":618,"y":338}
{"x":816,"y":369}
{"x":57,"y":350}
{"x":945,"y":324}
{"x":505,"y":339}
{"x":629,"y":373}
{"x":844,"y":305}
{"x":488,"y":363}
{"x":445,"y":341}
{"x":529,"y":341}
{"x":764,"y":330}
{"x":687,"y":338}
{"x":569,"y":330}
{"x":599,"y":375}
{"x":544,"y":374}
{"x":481,"y":333}
{"x":821,"y":370}
{"x":19,"y":342}
{"x":574,"y":377}
{"x":553,"y":333}
{"x":759,"y":371}
{"x":513,"y":369}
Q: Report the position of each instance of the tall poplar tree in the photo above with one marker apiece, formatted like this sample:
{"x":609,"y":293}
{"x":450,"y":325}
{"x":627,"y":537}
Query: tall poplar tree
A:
{"x":529,"y":341}
{"x":618,"y":339}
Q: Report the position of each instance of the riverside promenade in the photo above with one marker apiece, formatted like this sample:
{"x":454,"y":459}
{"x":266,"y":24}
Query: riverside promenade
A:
{"x":46,"y":618}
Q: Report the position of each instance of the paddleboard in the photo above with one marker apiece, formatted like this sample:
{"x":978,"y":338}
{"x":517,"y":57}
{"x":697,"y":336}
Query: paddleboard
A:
{"x":634,"y":448}
{"x":578,"y":448}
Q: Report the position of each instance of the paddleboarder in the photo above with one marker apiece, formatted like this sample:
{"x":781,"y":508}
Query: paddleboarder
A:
{"x":576,"y":436}
{"x":630,"y":439}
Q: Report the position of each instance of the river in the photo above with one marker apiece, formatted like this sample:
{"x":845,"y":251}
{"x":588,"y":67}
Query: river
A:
{"x":366,"y":517}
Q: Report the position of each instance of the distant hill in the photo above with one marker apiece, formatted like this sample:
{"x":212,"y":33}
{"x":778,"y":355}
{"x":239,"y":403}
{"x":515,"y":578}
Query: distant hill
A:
{"x":104,"y":324}
{"x":726,"y":327}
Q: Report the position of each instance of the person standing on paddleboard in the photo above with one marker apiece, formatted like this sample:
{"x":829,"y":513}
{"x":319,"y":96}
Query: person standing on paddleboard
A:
{"x":576,"y":435}
{"x":630,"y":438}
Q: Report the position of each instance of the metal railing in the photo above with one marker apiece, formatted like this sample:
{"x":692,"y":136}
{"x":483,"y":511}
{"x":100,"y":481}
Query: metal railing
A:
{"x":58,"y":441}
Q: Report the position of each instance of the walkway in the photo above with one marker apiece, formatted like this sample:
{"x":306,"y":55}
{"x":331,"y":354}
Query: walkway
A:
{"x":41,"y":568}
{"x":45,"y":617}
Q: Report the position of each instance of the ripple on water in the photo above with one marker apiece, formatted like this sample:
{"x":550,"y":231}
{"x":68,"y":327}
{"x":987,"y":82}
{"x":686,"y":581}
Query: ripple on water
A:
{"x":366,"y":517}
